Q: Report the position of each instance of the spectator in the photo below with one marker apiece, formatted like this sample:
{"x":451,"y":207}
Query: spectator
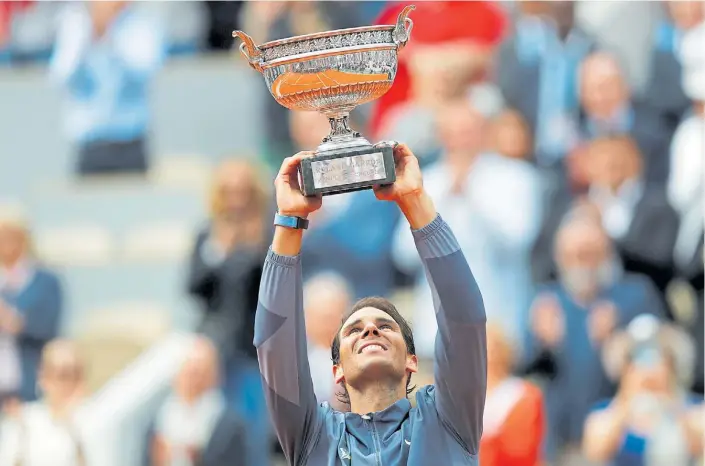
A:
{"x":537,"y":73}
{"x":224,"y":276}
{"x":105,"y":57}
{"x":53,"y":430}
{"x":514,"y":413}
{"x":326,"y":299}
{"x":608,"y":110}
{"x":571,"y":319}
{"x":663,"y":93}
{"x":439,"y":63}
{"x":685,"y":185}
{"x":637,"y":218}
{"x":195,"y":425}
{"x":493,"y":203}
{"x":652,"y":419}
{"x":31,"y":305}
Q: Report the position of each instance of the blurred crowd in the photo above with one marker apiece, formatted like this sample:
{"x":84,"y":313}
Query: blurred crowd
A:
{"x":565,"y":151}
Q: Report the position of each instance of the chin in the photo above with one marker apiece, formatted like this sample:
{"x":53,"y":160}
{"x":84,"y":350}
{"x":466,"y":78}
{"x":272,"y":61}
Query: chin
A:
{"x":376,"y":363}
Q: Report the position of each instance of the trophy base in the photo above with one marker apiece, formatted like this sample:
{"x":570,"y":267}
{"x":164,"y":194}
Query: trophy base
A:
{"x":347,"y":169}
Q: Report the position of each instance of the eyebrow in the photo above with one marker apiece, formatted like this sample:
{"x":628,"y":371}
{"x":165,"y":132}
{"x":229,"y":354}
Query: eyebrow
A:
{"x":378,"y":320}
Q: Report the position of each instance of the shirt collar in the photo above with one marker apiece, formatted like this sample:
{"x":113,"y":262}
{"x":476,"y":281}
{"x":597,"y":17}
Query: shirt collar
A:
{"x":386,"y":421}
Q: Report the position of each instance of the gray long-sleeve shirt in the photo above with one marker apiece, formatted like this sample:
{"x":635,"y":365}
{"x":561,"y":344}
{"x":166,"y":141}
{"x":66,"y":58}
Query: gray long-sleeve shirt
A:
{"x":445,"y":426}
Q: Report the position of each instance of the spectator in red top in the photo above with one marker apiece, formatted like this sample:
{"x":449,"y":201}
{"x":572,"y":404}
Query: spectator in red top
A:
{"x":7,"y":11}
{"x":462,"y":49}
{"x":514,"y":410}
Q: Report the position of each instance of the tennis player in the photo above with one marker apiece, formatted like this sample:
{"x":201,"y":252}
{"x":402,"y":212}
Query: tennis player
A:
{"x":373,"y":353}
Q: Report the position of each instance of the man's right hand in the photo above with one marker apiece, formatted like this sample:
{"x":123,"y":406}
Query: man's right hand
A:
{"x":290,"y":200}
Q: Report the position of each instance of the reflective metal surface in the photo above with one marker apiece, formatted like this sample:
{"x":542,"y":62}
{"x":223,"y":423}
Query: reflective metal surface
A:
{"x":331,"y":72}
{"x":348,"y":170}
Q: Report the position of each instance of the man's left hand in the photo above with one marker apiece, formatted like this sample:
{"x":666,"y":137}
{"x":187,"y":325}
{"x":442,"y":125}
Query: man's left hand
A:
{"x":409,"y":181}
{"x":407,"y":191}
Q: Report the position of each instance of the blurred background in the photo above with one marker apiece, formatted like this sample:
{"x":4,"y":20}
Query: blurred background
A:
{"x":562,"y":141}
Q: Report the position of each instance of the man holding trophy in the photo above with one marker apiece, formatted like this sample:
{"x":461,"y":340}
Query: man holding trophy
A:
{"x":373,"y":352}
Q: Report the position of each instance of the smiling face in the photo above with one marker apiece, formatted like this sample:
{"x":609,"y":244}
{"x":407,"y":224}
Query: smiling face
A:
{"x":374,"y":348}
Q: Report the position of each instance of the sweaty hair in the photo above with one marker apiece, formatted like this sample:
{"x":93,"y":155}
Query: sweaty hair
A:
{"x":387,"y":307}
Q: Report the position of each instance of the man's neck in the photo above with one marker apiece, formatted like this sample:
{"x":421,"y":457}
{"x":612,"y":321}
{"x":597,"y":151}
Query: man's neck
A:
{"x":374,"y":398}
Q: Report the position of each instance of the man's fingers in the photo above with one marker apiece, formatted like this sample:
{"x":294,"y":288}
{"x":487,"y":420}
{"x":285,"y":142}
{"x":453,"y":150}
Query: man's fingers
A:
{"x":382,"y":193}
{"x":401,"y":151}
{"x":290,"y":164}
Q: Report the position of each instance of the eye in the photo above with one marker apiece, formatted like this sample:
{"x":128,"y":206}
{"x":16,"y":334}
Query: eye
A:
{"x":353,"y":330}
{"x":385,"y":327}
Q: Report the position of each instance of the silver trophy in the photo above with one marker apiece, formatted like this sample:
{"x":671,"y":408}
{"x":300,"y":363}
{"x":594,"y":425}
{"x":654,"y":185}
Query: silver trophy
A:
{"x":332,"y":73}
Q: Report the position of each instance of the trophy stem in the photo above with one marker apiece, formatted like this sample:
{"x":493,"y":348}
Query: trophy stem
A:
{"x":340,"y":129}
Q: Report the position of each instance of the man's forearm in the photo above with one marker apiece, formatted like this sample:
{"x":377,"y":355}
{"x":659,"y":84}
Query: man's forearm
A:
{"x":287,"y":241}
{"x":418,"y":209}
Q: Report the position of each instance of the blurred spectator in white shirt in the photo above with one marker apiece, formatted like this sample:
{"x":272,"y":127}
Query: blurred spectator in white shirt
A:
{"x":52,"y":431}
{"x":195,"y":426}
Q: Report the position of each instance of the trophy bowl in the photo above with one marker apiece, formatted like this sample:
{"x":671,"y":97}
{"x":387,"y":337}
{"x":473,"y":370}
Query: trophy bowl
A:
{"x":332,"y":73}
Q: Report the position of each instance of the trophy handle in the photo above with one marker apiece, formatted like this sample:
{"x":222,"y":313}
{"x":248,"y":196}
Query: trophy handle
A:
{"x":250,"y":50}
{"x":402,"y":31}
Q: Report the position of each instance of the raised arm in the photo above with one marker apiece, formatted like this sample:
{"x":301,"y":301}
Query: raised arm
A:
{"x":461,"y":348}
{"x":280,"y":333}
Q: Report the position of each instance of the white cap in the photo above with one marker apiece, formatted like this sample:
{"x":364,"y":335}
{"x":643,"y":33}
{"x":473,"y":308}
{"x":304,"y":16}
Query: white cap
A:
{"x":691,"y":54}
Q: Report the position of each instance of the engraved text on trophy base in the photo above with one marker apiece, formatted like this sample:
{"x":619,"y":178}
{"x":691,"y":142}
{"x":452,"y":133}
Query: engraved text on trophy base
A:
{"x":348,"y":170}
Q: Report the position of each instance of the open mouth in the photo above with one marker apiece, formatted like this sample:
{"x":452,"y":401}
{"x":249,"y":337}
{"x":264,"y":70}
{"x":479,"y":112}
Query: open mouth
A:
{"x":371,"y":347}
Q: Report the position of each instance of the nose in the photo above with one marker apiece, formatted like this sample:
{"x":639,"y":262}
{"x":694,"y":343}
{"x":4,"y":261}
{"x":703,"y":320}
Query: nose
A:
{"x":370,"y":328}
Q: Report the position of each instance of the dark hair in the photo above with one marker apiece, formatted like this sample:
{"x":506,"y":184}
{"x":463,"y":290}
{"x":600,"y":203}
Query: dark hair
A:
{"x":387,"y":307}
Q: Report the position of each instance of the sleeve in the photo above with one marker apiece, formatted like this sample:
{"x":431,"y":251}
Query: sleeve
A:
{"x":280,"y":339}
{"x":404,"y":253}
{"x":42,"y":315}
{"x":461,"y":346}
{"x":141,"y":47}
{"x":73,"y":39}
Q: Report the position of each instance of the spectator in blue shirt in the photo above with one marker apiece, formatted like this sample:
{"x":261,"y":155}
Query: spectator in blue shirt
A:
{"x":105,"y":57}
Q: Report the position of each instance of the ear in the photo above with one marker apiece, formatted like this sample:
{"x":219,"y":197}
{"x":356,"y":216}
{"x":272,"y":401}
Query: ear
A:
{"x":338,"y":375}
{"x":412,"y":363}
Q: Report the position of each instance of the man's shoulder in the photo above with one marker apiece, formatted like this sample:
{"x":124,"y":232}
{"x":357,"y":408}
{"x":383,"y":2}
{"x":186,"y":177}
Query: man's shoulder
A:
{"x":425,"y":400}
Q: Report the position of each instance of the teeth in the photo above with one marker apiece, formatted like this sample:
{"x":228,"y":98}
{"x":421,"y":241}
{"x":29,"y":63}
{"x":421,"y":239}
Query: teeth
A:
{"x":371,"y":347}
